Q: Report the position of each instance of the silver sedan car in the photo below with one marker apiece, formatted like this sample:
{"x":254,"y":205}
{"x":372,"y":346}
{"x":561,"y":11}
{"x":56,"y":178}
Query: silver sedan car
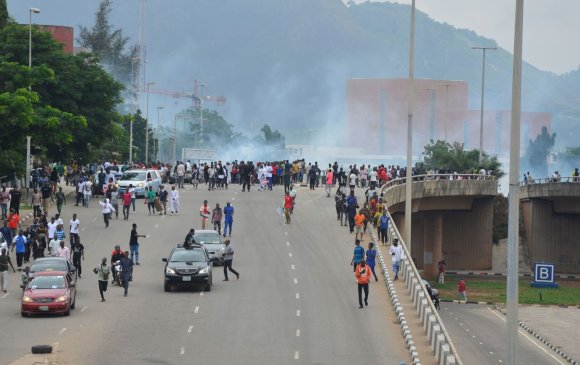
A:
{"x":212,"y":241}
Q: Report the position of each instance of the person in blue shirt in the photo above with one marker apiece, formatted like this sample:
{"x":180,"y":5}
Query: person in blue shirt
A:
{"x":5,"y":231}
{"x":383,"y":227}
{"x":20,"y":246}
{"x":371,"y":256}
{"x":228,"y":218}
{"x":352,"y":203}
{"x":359,"y":254}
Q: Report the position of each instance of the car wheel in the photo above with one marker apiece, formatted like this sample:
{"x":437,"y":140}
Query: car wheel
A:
{"x":207,"y":287}
{"x":67,"y":313}
{"x":74,"y":303}
{"x":166,"y":287}
{"x":24,"y":314}
{"x":41,"y":349}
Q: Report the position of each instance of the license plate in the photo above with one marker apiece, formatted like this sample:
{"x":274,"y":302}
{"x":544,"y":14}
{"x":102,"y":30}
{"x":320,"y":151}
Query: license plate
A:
{"x":186,"y":278}
{"x":43,"y":308}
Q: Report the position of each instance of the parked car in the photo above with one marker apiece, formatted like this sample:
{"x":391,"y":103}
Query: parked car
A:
{"x":212,"y":241}
{"x":54,"y":264}
{"x":48,"y":292}
{"x":188,"y":266}
{"x":140,"y":179}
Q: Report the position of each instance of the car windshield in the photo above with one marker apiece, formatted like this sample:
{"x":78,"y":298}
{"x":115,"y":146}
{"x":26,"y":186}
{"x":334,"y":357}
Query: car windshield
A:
{"x":134,"y":176}
{"x":49,"y":265}
{"x":188,"y":256}
{"x":207,"y":238}
{"x":47,"y":282}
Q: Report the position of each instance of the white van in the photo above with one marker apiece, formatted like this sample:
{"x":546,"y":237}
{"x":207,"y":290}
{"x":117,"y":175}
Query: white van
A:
{"x":140,"y":179}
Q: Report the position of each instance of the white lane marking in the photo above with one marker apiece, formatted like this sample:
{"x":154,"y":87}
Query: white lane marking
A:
{"x":83,"y":229}
{"x":196,"y":309}
{"x":147,"y":235}
{"x":473,"y":336}
{"x":84,"y":308}
{"x":298,"y":313}
{"x":297,"y":295}
{"x":189,"y":329}
{"x":296,"y":355}
{"x":293,"y":267}
{"x":481,"y":343}
{"x":62,"y":331}
{"x":286,"y":233}
{"x":182,"y":351}
{"x":201,"y":294}
{"x":5,"y":295}
{"x":528,"y":338}
{"x":290,"y":254}
{"x":233,"y":199}
{"x":467,"y":329}
{"x":491,"y":352}
{"x":157,"y":225}
{"x":235,"y":193}
{"x":461,"y":324}
{"x":456,"y":318}
{"x":287,"y":243}
{"x":295,"y":281}
{"x":499,"y":361}
{"x":298,"y":332}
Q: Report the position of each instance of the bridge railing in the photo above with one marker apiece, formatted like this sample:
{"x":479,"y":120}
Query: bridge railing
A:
{"x":551,"y":180}
{"x":433,"y":325}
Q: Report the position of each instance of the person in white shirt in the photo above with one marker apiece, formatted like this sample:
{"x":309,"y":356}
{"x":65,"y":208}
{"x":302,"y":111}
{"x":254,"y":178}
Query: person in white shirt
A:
{"x":180,"y":175}
{"x":352,"y":180}
{"x":174,"y":201}
{"x":132,"y":191}
{"x":58,"y":220}
{"x":397,"y":255}
{"x":53,"y":245}
{"x":63,"y":251}
{"x":269,"y":175}
{"x":52,"y":227}
{"x":107,"y":209}
{"x":74,"y":228}
{"x":87,"y":192}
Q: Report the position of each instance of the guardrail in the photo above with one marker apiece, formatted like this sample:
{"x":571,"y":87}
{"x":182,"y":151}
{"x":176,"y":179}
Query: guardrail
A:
{"x":437,"y":334}
{"x":437,"y":177}
{"x":551,"y":180}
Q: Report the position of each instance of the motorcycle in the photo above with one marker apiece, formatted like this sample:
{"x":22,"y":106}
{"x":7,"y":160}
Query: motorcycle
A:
{"x":433,"y":294}
{"x":117,"y":273}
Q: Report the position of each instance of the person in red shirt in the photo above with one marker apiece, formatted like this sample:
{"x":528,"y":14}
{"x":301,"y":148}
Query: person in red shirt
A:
{"x":13,"y":222}
{"x":126,"y":205}
{"x":287,"y":206}
{"x":363,"y":275}
{"x":461,"y":293}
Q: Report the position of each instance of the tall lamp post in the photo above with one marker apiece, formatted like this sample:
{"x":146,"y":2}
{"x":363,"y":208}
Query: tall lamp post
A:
{"x":28,"y":167}
{"x":409,"y":174}
{"x":147,"y":125}
{"x":484,"y":49}
{"x":157,"y":133}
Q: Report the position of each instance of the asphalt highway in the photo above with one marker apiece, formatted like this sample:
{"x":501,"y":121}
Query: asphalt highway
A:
{"x":295,"y":301}
{"x":479,"y":335}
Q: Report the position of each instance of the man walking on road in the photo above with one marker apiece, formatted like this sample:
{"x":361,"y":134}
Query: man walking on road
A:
{"x":74,"y":228}
{"x":204,"y":213}
{"x":363,"y":276}
{"x":78,"y":254}
{"x":397,"y":254}
{"x":228,"y":259}
{"x":126,"y":205}
{"x":358,"y":256}
{"x":134,"y":244}
{"x":4,"y":262}
{"x":19,"y":243}
{"x":126,"y":271}
{"x":102,"y":272}
{"x":229,"y":218}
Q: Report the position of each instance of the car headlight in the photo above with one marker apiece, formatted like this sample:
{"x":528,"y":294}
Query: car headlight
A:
{"x":140,"y":185}
{"x":62,"y":298}
{"x":26,"y":299}
{"x":169,"y":270}
{"x":205,"y":270}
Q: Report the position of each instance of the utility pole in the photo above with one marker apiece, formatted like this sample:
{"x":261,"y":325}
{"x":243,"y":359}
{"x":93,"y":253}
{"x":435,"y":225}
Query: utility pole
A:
{"x":28,"y":167}
{"x":409,"y":174}
{"x":201,"y":117}
{"x":482,"y":94}
{"x":147,"y":124}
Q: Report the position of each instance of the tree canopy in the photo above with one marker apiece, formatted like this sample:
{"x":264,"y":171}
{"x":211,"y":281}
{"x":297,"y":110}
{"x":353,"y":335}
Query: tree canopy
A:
{"x":3,"y":14}
{"x":442,"y":155}
{"x":539,"y":149}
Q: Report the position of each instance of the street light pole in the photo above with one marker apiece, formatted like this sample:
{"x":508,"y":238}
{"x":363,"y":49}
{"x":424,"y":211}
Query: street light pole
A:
{"x":201,"y":117}
{"x":484,"y":49}
{"x":157,"y":133}
{"x":409,"y":174}
{"x":514,"y":191}
{"x":147,"y":125}
{"x":28,"y":167}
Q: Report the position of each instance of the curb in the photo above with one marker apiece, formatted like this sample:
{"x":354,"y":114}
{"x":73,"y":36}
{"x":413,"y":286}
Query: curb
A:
{"x":499,"y":274}
{"x":30,"y":214}
{"x":527,"y":305}
{"x":539,"y":337}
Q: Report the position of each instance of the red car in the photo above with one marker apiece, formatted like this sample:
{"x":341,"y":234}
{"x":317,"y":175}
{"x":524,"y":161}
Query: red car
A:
{"x":48,"y":292}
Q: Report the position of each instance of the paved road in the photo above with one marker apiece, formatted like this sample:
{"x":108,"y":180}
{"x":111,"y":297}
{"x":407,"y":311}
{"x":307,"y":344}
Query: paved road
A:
{"x":295,"y":301}
{"x":479,"y":335}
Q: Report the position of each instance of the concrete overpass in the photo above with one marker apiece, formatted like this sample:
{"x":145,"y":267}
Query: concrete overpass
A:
{"x":452,"y":218}
{"x":551,"y":219}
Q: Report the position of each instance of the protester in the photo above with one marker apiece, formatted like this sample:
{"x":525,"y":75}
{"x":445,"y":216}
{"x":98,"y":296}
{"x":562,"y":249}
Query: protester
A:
{"x":4,"y":263}
{"x":363,"y":274}
{"x":371,"y":256}
{"x":229,"y":218}
{"x":228,"y":255}
{"x":397,"y":254}
{"x":358,"y":255}
{"x":102,"y":272}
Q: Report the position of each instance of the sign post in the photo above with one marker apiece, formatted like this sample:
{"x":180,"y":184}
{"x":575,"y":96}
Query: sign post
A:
{"x":544,"y":276}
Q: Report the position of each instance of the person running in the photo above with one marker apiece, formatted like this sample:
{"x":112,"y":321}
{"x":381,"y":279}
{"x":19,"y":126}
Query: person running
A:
{"x":216,"y":218}
{"x":358,"y":255}
{"x":204,"y":213}
{"x":363,"y":275}
{"x":371,"y":256}
{"x":4,"y":262}
{"x":287,"y":206}
{"x":74,"y":228}
{"x":126,"y":271}
{"x":134,"y":244}
{"x":60,"y":199}
{"x":174,"y":202}
{"x":228,"y":259}
{"x":102,"y":272}
{"x":107,"y":209}
{"x":229,"y":218}
{"x":78,"y":254}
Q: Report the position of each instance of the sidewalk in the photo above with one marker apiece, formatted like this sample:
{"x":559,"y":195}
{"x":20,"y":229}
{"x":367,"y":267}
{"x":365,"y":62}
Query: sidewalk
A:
{"x":26,"y":214}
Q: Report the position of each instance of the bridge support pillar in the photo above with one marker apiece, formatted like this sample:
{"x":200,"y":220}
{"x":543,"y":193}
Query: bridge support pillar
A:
{"x":433,"y":239}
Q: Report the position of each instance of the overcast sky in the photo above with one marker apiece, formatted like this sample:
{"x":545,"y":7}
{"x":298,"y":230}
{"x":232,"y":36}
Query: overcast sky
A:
{"x":551,"y":28}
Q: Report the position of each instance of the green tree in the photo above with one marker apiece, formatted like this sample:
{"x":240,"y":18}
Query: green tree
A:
{"x":110,"y":44}
{"x":536,"y":157}
{"x":272,"y":138}
{"x":4,"y":17}
{"x":442,"y":155}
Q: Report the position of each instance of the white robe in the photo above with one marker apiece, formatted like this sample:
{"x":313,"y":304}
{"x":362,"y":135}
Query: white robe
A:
{"x":174,"y":201}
